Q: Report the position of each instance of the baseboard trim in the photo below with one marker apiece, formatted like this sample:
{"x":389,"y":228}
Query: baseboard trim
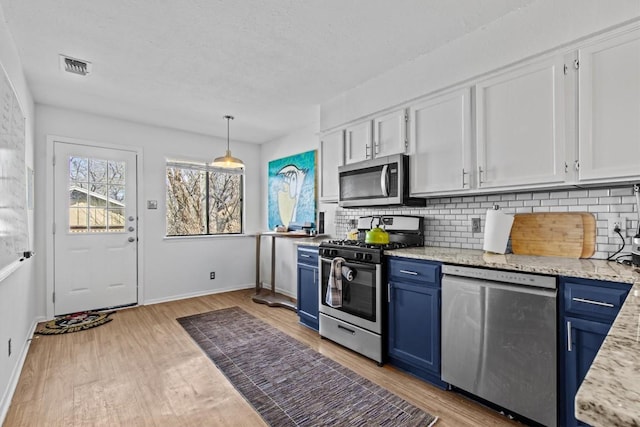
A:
{"x":196,"y":294}
{"x":15,"y":375}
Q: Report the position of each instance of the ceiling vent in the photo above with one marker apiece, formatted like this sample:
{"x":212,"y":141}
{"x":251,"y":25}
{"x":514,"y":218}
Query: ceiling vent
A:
{"x":75,"y":66}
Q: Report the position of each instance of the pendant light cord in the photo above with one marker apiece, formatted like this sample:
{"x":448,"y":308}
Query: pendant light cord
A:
{"x":228,"y":118}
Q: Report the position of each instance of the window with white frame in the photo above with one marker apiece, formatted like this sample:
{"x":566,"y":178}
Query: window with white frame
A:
{"x":203,"y":200}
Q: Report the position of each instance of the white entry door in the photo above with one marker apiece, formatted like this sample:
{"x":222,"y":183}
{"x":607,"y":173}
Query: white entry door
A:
{"x":95,"y":228}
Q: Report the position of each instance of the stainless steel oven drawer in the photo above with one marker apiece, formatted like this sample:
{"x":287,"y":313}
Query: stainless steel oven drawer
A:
{"x":353,"y":337}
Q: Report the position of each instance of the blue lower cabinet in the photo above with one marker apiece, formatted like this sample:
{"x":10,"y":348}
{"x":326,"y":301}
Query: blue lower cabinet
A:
{"x":414,"y":319}
{"x":588,"y":309}
{"x":586,"y":337}
{"x":308,"y":291}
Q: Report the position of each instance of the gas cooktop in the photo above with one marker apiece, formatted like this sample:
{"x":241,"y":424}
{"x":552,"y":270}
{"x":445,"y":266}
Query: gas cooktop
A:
{"x":361,"y":244}
{"x":404,"y":231}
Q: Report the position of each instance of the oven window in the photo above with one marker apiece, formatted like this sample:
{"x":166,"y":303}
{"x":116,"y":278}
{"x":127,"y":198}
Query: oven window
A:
{"x":358,"y":295}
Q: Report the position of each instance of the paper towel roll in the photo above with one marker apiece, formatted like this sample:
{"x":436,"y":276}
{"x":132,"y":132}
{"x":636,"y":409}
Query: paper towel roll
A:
{"x":496,"y":231}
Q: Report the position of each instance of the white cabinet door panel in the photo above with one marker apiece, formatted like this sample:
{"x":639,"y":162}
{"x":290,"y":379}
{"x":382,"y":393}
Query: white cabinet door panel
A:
{"x":440,"y":141}
{"x":331,"y":156}
{"x":520,"y":126}
{"x":609,"y":108}
{"x":358,"y":142}
{"x":389,"y":135}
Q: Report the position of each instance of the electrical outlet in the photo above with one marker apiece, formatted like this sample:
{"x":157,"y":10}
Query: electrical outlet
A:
{"x":9,"y":346}
{"x":475,"y":225}
{"x":212,"y":275}
{"x":620,"y":222}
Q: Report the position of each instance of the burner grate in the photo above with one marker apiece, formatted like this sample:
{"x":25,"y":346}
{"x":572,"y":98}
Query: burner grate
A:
{"x":361,"y":244}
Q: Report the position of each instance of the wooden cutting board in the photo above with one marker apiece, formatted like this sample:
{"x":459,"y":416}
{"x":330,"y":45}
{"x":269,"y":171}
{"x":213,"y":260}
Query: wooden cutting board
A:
{"x":565,"y":234}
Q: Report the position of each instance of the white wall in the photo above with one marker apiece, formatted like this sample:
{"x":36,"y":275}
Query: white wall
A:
{"x":302,"y":140}
{"x":172,"y":268}
{"x":536,"y":28}
{"x":18,"y":292}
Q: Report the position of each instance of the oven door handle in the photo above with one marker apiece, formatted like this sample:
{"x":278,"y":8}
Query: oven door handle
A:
{"x":354,"y":265}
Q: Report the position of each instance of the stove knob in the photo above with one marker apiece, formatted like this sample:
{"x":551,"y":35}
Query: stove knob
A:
{"x":333,"y":252}
{"x":359,"y":255}
{"x":368,"y":257}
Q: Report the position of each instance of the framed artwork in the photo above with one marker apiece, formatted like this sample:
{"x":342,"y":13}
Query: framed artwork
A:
{"x":292,"y":190}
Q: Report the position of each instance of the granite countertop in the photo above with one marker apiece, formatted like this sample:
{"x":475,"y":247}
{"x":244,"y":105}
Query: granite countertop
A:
{"x":610,"y":393}
{"x":311,"y":241}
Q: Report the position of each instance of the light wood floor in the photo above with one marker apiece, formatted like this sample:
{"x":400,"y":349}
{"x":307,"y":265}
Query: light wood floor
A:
{"x":143,"y":369}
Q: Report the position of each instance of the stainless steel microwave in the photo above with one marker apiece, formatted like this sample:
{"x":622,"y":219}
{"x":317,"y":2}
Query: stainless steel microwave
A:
{"x":383,"y":181}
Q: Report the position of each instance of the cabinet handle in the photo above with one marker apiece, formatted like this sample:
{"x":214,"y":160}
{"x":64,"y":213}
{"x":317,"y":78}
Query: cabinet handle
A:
{"x":305,"y":256}
{"x":480,"y":176}
{"x":588,"y":301}
{"x":464,"y":184}
{"x":413,"y":273}
{"x":376,"y":147}
{"x":366,"y":151}
{"x":569,"y":336}
{"x":388,"y":292}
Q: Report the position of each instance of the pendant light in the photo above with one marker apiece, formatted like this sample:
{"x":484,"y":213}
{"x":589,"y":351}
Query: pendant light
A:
{"x":228,"y":161}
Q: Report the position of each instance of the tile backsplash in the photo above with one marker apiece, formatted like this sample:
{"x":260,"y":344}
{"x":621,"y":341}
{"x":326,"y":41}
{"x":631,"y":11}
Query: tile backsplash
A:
{"x":448,"y":219}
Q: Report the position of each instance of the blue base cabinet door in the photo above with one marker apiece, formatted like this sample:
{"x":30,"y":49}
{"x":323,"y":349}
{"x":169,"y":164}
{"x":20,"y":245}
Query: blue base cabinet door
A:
{"x":308,"y":290}
{"x":587,"y":311}
{"x":414,"y":318}
{"x":584,"y":338}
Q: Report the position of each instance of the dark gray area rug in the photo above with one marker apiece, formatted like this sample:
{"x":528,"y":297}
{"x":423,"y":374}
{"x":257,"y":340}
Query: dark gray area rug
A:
{"x":290,"y":384}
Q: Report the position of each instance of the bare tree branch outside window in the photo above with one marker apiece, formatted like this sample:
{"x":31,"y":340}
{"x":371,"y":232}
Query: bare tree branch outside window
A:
{"x":191,"y":190}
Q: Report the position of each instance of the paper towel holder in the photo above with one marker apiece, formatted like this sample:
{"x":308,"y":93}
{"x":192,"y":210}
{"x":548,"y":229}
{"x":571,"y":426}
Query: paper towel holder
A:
{"x":497,"y":230}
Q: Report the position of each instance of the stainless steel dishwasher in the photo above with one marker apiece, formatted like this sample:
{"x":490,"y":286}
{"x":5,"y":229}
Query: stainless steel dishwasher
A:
{"x":499,"y":338}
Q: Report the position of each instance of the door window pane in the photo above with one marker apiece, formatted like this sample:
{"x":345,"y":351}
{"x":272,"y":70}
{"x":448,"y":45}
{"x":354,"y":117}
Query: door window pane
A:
{"x":115,"y":219}
{"x":97,"y":171}
{"x":116,"y":196}
{"x":115,"y":172}
{"x":94,"y":186}
{"x":97,"y":220}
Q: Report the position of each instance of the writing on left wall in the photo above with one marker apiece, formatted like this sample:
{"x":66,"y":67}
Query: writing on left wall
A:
{"x":14,"y":231}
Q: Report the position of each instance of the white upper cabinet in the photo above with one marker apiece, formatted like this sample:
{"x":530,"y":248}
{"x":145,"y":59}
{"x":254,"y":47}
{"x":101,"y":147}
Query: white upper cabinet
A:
{"x":440,"y":135}
{"x":566,"y":118}
{"x":520,"y":122}
{"x":390,"y":134}
{"x":358,"y":143}
{"x":331,"y":156}
{"x":379,"y":137}
{"x":609,"y":109}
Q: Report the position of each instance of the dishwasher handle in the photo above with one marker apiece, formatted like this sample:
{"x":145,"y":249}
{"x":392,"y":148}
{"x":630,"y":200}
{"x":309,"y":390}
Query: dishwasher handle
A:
{"x":452,"y":279}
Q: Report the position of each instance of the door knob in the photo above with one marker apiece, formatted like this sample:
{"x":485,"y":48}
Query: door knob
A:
{"x":131,"y":228}
{"x":131,"y":239}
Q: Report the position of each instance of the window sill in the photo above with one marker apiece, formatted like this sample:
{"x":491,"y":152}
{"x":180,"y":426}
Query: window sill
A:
{"x":206,"y":236}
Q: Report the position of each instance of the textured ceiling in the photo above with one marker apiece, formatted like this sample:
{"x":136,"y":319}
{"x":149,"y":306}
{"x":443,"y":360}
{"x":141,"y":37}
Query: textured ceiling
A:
{"x":185,"y":64}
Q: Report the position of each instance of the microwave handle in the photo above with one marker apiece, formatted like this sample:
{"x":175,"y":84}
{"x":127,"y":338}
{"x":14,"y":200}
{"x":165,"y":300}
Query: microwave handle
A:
{"x":384,"y":181}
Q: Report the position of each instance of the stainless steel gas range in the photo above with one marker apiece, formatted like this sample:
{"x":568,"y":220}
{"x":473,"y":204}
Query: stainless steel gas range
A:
{"x":358,"y":319}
